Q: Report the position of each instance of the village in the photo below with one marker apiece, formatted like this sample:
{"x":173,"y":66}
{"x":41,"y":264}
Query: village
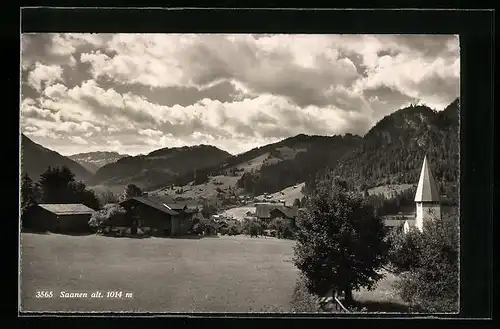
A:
{"x":154,"y":215}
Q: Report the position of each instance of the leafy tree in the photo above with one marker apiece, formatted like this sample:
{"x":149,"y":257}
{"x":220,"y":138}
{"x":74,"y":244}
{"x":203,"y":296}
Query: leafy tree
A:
{"x":202,"y":224}
{"x":428,"y":261}
{"x":253,"y":227}
{"x":131,"y":190}
{"x":296,"y":203}
{"x":108,"y":197}
{"x":340,"y":242}
{"x":107,"y":216}
{"x":79,"y":193}
{"x":404,"y":250}
{"x":282,"y":228}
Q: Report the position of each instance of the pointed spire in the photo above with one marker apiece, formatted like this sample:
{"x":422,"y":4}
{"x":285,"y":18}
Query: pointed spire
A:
{"x":427,"y":190}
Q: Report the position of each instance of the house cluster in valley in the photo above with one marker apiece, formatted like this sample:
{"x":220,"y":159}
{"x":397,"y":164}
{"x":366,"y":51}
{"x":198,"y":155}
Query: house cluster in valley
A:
{"x":160,"y":216}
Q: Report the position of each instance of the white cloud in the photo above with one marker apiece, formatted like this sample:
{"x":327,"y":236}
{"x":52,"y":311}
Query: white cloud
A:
{"x":78,"y":140}
{"x":121,"y":88}
{"x":47,"y":74}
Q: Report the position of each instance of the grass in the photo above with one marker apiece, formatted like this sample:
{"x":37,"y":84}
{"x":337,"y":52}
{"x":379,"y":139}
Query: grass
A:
{"x":239,"y":213}
{"x":288,"y":194}
{"x":225,"y":274}
{"x":383,"y":298}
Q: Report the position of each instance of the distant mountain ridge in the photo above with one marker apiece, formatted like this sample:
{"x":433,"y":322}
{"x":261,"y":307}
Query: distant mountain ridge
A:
{"x":159,"y":167}
{"x":92,"y":161}
{"x":35,"y":159}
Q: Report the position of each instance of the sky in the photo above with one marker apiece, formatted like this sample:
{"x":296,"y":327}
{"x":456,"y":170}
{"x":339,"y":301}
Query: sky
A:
{"x":135,"y":93}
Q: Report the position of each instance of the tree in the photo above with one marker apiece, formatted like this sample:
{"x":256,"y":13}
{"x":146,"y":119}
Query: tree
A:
{"x":108,"y":197}
{"x":253,"y":227}
{"x":80,"y":194}
{"x":208,"y":210}
{"x":28,"y":193}
{"x":428,"y":261}
{"x":340,"y":242}
{"x":54,"y":183}
{"x":282,"y":228}
{"x":131,"y":190}
{"x":28,"y":196}
{"x":107,"y":216}
{"x":58,"y":185}
{"x":296,"y":203}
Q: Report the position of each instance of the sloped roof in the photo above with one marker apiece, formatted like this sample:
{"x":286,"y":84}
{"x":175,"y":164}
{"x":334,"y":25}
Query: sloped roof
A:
{"x":173,"y":204}
{"x":263,"y":210}
{"x":427,"y":190}
{"x":67,"y":208}
{"x":153,"y":204}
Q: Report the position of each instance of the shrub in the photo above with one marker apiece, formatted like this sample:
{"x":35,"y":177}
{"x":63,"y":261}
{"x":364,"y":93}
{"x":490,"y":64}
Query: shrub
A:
{"x":253,"y":227}
{"x":302,"y":300}
{"x":107,"y":216}
{"x":430,"y":274}
{"x":282,"y":227}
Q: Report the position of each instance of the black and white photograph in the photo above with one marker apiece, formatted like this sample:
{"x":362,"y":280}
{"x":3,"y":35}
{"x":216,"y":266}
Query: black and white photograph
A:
{"x":239,"y":173}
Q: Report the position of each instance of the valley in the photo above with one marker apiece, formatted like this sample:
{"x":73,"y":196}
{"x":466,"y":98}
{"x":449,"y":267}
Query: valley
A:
{"x":384,"y":162}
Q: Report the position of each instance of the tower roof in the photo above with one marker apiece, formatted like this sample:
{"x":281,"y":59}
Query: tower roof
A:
{"x":427,"y":190}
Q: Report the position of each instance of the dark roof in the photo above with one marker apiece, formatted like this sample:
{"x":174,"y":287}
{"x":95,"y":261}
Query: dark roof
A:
{"x":67,"y":208}
{"x":427,"y":190}
{"x":153,"y":204}
{"x":174,"y":204}
{"x":263,"y":210}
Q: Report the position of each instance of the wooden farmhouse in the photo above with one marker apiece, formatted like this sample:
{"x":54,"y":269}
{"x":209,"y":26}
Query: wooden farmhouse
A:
{"x":269,"y":211}
{"x":154,"y":215}
{"x":61,"y":218}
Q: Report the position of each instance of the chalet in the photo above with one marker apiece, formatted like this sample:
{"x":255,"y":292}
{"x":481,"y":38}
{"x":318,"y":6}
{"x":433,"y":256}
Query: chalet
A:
{"x":270,"y":211}
{"x":62,"y":218}
{"x":154,"y":215}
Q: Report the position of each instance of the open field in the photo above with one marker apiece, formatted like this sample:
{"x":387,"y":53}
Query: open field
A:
{"x":288,"y":194}
{"x":225,"y":274}
{"x":207,"y":190}
{"x":239,"y":213}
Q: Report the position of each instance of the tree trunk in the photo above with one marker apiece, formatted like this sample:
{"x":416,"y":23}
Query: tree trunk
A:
{"x":348,"y":295}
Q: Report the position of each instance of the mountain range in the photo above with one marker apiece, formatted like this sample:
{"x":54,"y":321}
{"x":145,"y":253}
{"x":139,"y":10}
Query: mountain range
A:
{"x":92,"y":161}
{"x":390,"y":153}
{"x":35,"y":159}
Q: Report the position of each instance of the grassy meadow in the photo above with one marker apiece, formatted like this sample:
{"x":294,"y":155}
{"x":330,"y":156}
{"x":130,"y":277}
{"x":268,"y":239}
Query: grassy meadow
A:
{"x":224,"y":274}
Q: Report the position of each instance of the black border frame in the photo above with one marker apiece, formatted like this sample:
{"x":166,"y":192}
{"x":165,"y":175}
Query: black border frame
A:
{"x":476,"y":30}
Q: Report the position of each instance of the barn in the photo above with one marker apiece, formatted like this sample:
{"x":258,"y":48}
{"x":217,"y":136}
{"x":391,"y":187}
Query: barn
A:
{"x":61,"y":218}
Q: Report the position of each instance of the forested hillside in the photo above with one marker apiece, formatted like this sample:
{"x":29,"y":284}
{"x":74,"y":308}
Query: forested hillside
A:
{"x":320,"y":152}
{"x":393,"y":150}
{"x":158,"y":168}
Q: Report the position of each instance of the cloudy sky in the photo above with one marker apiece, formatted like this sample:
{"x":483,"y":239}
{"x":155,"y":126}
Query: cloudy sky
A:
{"x":134,"y":93}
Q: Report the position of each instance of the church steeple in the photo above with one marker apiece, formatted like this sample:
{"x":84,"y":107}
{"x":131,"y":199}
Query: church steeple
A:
{"x":426,"y":197}
{"x":427,"y":190}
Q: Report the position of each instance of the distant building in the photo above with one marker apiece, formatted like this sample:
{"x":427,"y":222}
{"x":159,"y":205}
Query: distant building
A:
{"x":269,"y":211}
{"x":426,"y":199}
{"x":62,"y":218}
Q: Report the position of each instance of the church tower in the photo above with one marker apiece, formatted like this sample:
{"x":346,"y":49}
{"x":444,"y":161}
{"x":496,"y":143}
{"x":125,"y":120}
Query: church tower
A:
{"x":427,"y":197}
